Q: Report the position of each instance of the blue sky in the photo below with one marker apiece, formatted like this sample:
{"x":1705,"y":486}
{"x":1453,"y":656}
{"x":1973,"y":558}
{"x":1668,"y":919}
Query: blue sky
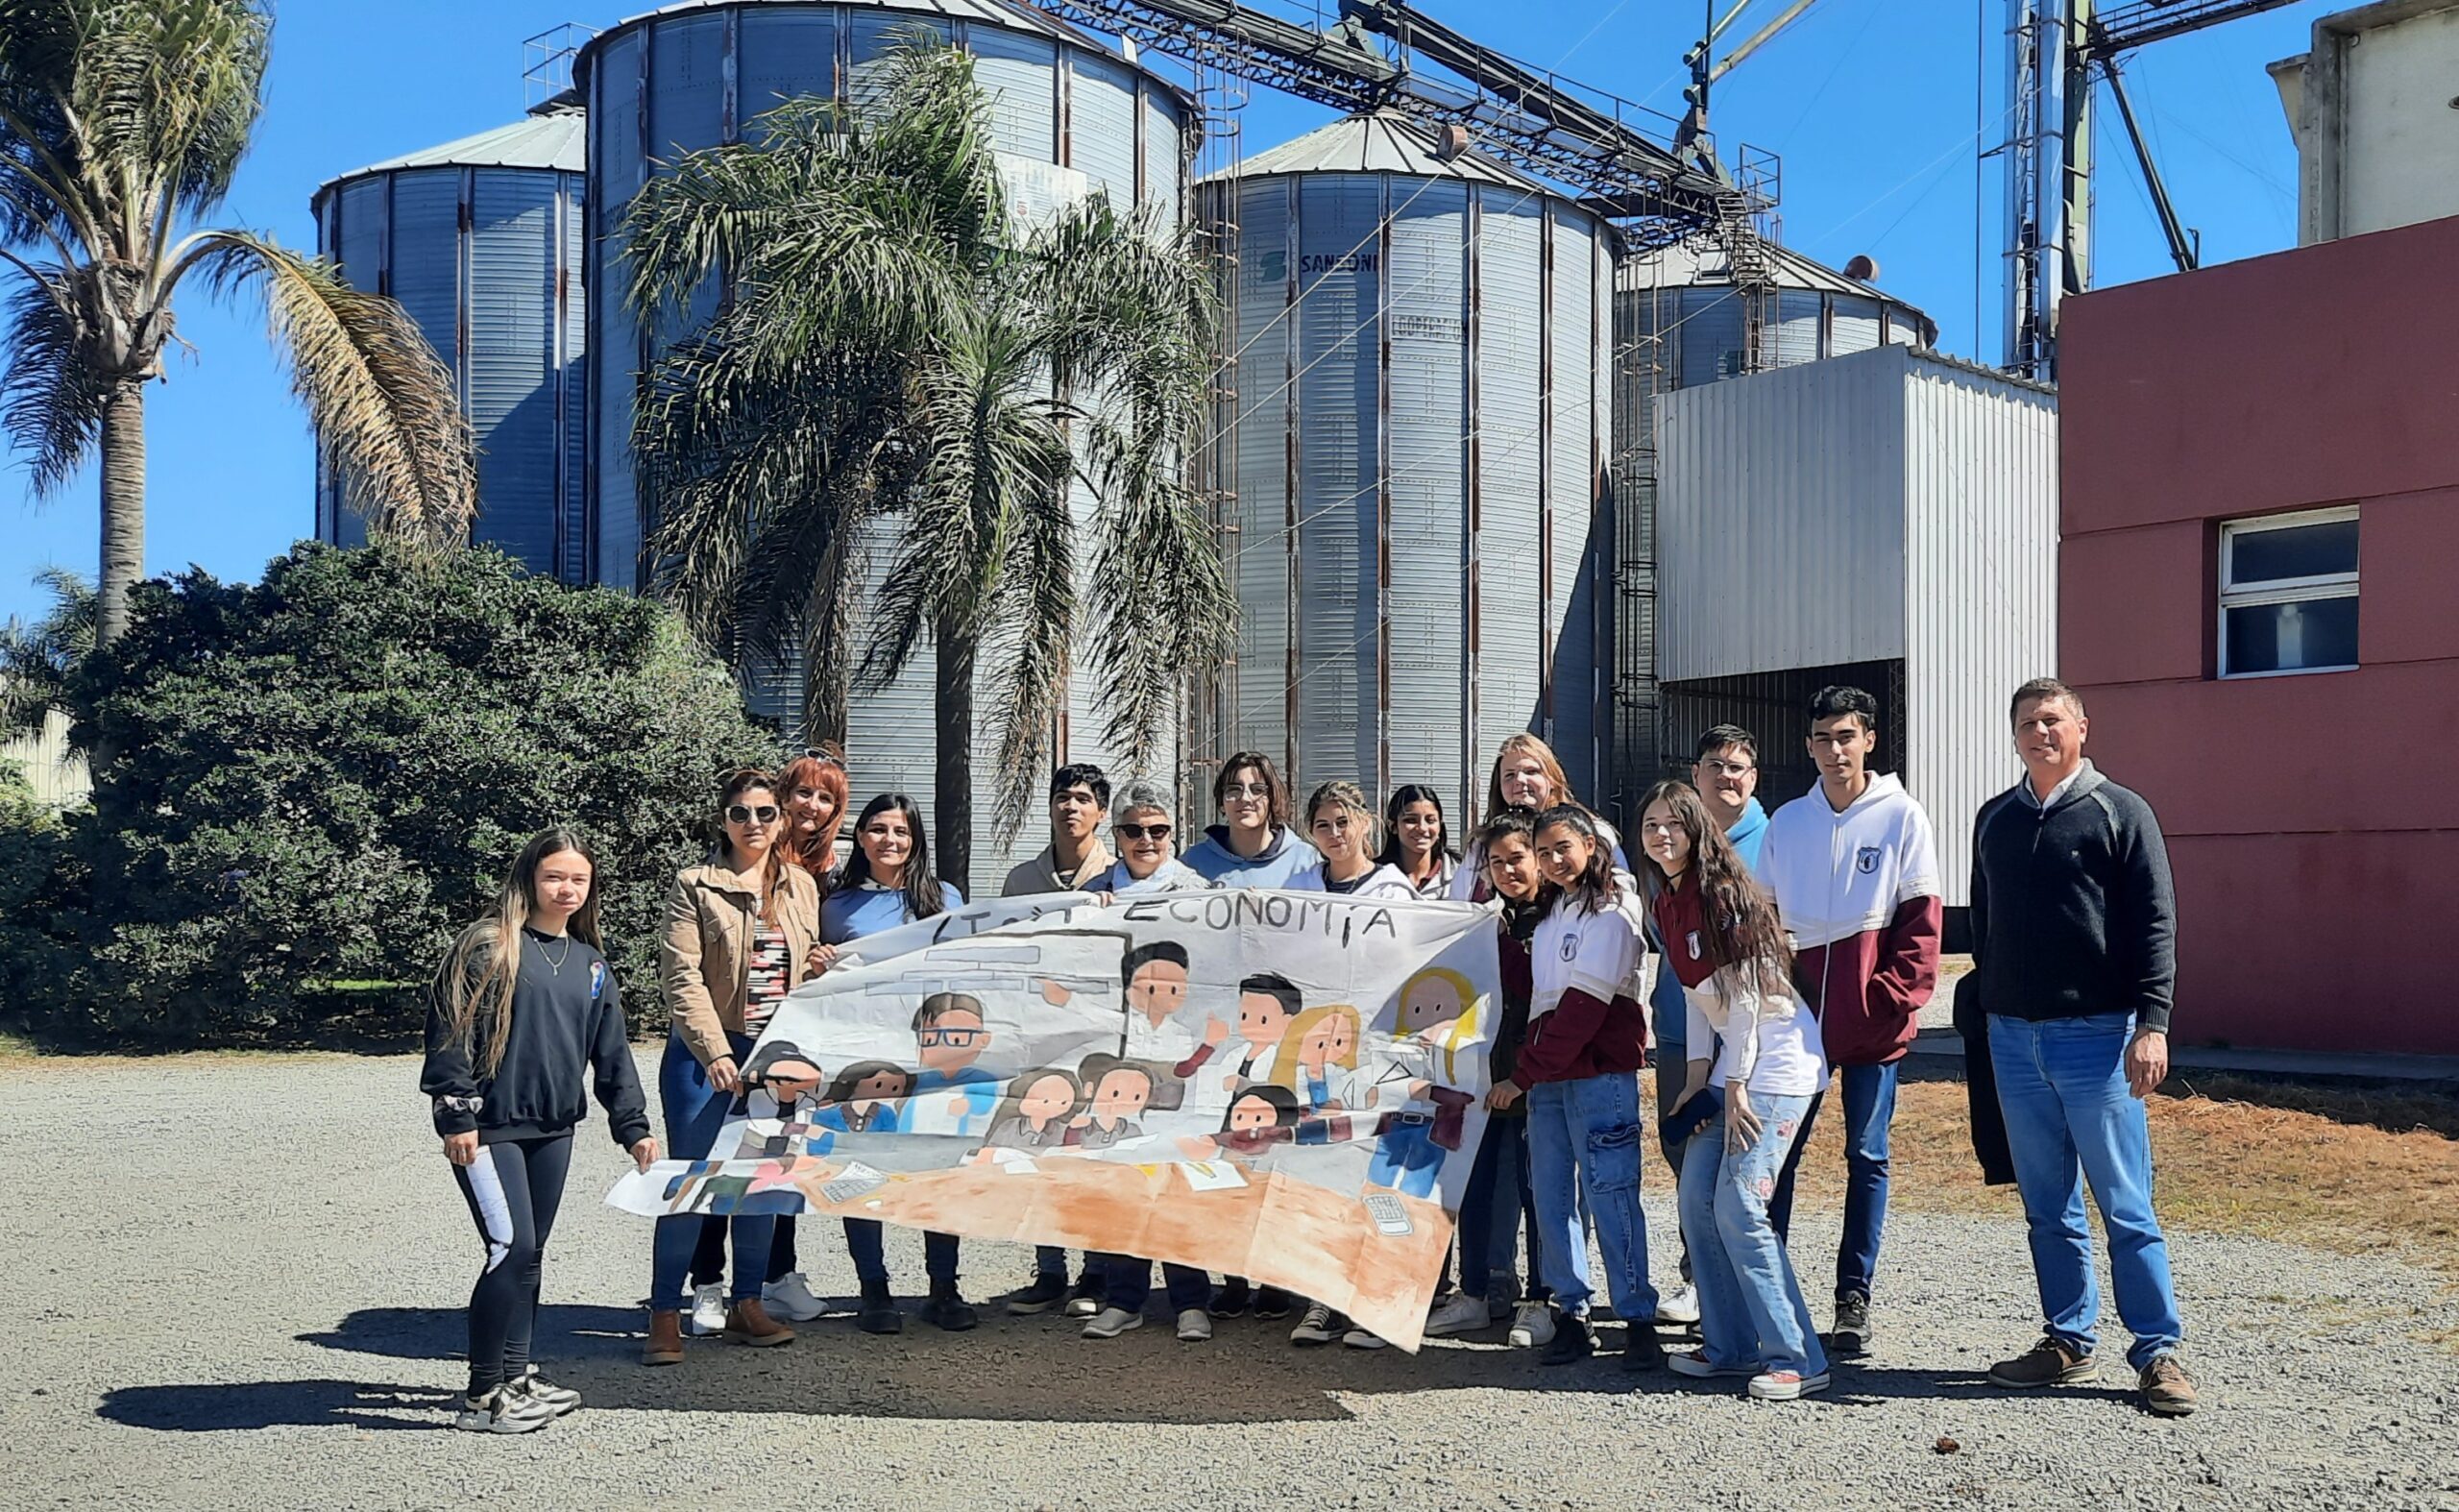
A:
{"x":1871,"y":103}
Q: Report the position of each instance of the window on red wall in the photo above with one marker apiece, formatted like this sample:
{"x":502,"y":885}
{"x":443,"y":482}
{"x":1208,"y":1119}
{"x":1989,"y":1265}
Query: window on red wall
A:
{"x":2288,"y":594}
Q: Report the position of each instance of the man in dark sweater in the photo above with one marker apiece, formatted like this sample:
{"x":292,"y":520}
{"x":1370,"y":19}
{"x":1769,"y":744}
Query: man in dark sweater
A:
{"x":2074,"y":929}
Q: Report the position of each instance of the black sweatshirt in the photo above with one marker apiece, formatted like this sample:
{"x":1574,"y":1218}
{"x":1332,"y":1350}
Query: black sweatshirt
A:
{"x":566,"y":1014}
{"x":2071,"y":909}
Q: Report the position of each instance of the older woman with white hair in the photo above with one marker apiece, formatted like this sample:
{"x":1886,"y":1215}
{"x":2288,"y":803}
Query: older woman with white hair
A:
{"x":1141,"y":831}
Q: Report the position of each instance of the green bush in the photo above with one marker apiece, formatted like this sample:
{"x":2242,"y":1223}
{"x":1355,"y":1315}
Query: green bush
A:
{"x":301,"y":788}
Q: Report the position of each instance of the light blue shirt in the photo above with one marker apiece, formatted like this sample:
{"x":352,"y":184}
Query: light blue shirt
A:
{"x":866,"y":909}
{"x":1282,"y":859}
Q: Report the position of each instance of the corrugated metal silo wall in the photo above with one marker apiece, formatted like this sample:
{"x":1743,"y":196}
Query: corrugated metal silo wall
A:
{"x":1420,"y":413}
{"x":484,"y":258}
{"x":1981,"y":495}
{"x":661,"y":86}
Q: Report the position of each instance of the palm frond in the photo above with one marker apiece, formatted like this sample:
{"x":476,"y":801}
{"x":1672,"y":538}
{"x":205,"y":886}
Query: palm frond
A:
{"x":37,"y":659}
{"x":51,"y":400}
{"x":383,"y":402}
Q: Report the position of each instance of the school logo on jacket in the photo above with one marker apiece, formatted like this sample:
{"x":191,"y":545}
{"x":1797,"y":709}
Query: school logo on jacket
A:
{"x":1866,"y":860}
{"x":596,"y":979}
{"x":1571,"y":947}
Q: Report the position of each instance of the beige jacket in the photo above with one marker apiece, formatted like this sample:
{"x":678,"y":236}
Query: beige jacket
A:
{"x":704,"y":951}
{"x":1041,"y":874}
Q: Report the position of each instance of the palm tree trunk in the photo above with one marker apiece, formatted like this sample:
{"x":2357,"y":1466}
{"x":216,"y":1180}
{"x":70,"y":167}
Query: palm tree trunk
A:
{"x":953,"y":704}
{"x":123,"y":507}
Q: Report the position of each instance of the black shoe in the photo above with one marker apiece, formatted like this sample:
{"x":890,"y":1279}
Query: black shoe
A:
{"x":1850,"y":1338}
{"x":949,"y":1311}
{"x":1085,"y":1299}
{"x":1232,"y":1299}
{"x":1045,"y":1293}
{"x":877,"y":1312}
{"x":1270,"y":1301}
{"x":1642,"y":1349}
{"x":1573,"y":1341}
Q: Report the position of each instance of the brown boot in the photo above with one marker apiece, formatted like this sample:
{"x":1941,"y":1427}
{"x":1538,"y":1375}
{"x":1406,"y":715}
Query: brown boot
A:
{"x":749,"y":1323}
{"x":665,"y":1346}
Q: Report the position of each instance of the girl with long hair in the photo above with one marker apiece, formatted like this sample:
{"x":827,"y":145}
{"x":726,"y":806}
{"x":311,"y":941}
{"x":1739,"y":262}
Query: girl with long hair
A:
{"x":1579,"y":1071}
{"x":1417,"y":841}
{"x":1754,"y":1041}
{"x":814,"y":787}
{"x":1497,"y":1206}
{"x":738,"y":937}
{"x":1343,"y":829}
{"x":886,"y":883}
{"x":1527,"y":774}
{"x":521,"y":1005}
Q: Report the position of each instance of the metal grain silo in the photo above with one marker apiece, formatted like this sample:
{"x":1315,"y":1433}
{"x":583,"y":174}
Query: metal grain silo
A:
{"x":1068,"y":118}
{"x":481,"y":240}
{"x":1679,"y":321}
{"x":1417,"y":453}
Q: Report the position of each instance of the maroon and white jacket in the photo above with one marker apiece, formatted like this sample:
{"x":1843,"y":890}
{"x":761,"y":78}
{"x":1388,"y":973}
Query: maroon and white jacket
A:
{"x":1859,"y":894}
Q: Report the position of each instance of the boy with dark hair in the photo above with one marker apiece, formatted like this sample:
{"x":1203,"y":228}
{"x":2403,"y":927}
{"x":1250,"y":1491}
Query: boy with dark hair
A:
{"x":1854,"y":869}
{"x":1079,"y":801}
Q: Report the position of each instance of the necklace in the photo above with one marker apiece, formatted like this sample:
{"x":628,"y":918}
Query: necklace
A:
{"x":555,"y":963}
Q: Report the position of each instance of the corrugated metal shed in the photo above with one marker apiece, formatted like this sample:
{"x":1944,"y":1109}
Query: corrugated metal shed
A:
{"x":1888,"y":506}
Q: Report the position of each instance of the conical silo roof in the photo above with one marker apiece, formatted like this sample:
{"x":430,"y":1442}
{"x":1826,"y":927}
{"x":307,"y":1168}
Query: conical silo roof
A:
{"x":550,"y":139}
{"x":1379,"y":142}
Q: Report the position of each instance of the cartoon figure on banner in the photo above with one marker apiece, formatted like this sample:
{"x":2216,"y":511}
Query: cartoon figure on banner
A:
{"x":1437,"y":1015}
{"x":1119,"y":1092}
{"x":949,"y":1037}
{"x":1267,"y":1002}
{"x":1258,"y":1118}
{"x":1035,"y":1116}
{"x":707,"y":1187}
{"x":1318,"y":1066}
{"x":780,"y":1088}
{"x":1155,"y":978}
{"x":867,"y":1097}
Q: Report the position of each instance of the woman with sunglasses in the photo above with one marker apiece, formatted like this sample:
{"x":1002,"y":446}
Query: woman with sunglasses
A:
{"x":739,"y":934}
{"x":1141,"y":831}
{"x":888,"y":883}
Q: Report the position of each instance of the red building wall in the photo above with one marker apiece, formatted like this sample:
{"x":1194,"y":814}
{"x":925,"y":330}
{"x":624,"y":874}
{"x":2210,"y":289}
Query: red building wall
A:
{"x":2313,"y":821}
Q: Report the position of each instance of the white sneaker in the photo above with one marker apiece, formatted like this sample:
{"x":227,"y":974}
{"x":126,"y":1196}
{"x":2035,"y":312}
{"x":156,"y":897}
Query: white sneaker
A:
{"x":1786,"y":1386}
{"x":1195,"y":1326}
{"x":502,"y":1410}
{"x":1532,"y":1327}
{"x":1681,"y":1305}
{"x":557,"y":1400}
{"x":1111,"y":1322}
{"x":788,"y":1297}
{"x":708,"y":1310}
{"x":1360,"y":1339}
{"x":1457,"y":1313}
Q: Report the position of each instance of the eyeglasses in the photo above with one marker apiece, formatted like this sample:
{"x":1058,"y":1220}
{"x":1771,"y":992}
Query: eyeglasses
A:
{"x":953,"y":1039}
{"x":1728,"y":768}
{"x":1145,"y":831}
{"x":1246,"y":790}
{"x":749,"y":813}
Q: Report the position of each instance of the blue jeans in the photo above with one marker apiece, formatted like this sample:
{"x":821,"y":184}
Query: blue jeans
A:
{"x":1129,"y":1280}
{"x":1870,"y":1113}
{"x":1406,"y":1158}
{"x":1494,"y":1209}
{"x":2070,"y":1119}
{"x":695,"y":1111}
{"x":1584,"y":1144}
{"x":864,"y":1242}
{"x":1751,"y":1311}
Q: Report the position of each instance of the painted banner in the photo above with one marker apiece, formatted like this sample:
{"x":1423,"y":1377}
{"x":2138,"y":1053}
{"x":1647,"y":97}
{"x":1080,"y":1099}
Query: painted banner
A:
{"x":1287,"y":1086}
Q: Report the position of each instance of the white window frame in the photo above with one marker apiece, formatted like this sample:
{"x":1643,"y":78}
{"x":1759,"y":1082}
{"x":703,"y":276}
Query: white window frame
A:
{"x":2278,"y":590}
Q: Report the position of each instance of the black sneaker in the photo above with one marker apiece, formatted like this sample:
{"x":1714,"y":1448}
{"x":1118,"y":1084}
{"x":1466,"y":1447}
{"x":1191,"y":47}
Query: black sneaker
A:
{"x":877,"y":1312}
{"x":1573,"y":1341}
{"x":1850,"y":1338}
{"x":1642,"y":1349}
{"x":1086,"y":1297}
{"x":1232,"y":1299}
{"x":1321,"y":1326}
{"x":949,"y":1311}
{"x":1045,"y":1293}
{"x":1271,"y":1302}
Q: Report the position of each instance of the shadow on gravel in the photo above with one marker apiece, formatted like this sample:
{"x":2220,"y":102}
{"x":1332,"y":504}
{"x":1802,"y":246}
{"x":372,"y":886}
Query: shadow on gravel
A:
{"x":426,"y":1333}
{"x":214,"y":1408}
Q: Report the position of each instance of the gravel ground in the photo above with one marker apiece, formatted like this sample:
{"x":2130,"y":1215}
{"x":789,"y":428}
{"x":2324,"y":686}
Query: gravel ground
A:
{"x":260,"y":1286}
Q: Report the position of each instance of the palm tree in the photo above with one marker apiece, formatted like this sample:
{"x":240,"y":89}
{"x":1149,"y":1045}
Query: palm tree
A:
{"x":121,"y":124}
{"x":897,"y":367}
{"x":36,"y":660}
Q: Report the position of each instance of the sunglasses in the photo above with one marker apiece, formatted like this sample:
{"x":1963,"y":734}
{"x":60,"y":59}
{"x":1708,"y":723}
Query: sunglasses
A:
{"x":749,"y":813}
{"x":825,"y":758}
{"x":1145,"y":831}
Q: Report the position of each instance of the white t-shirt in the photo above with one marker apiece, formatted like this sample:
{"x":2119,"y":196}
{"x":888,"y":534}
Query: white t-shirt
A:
{"x":1384,"y":881}
{"x":1781,"y":1058}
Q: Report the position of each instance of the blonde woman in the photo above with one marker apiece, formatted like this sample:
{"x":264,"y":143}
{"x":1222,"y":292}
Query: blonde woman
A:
{"x":521,"y":1004}
{"x":1318,"y":1061}
{"x":1342,"y":825}
{"x":1527,"y":775}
